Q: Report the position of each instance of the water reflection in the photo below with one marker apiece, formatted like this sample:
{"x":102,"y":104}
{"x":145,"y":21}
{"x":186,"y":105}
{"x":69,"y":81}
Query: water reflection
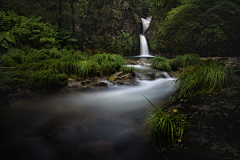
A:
{"x":82,"y":125}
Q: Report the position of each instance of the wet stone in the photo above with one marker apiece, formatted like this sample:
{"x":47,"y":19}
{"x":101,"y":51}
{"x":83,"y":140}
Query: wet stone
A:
{"x":220,"y":102}
{"x":212,"y":104}
{"x":229,"y":106}
{"x":204,"y":127}
{"x":214,"y":147}
{"x":193,"y":106}
{"x":235,"y":145}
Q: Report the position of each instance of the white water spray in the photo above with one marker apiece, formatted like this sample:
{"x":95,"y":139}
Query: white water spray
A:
{"x":143,"y":42}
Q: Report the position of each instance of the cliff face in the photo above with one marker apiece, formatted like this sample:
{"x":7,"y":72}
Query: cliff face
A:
{"x":115,"y":29}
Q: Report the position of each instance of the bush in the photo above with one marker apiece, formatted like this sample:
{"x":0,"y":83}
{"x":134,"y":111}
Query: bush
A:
{"x":204,"y":77}
{"x":108,"y":63}
{"x":184,"y":60}
{"x":126,"y":69}
{"x":160,"y":63}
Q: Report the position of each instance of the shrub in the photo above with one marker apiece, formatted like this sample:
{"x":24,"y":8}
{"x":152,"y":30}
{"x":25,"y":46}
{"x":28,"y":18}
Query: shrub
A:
{"x":88,"y":68}
{"x":204,"y":77}
{"x":126,"y":69}
{"x":184,"y":60}
{"x":108,"y":63}
{"x":160,"y":63}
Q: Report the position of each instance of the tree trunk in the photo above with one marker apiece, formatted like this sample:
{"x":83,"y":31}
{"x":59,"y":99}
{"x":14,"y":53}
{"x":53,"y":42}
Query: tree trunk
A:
{"x":73,"y":20}
{"x":60,"y":14}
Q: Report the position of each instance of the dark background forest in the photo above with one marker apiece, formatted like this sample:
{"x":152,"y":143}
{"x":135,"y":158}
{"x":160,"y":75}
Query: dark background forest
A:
{"x":208,"y":28}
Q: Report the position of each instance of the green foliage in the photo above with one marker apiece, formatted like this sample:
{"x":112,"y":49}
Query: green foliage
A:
{"x":161,"y":63}
{"x":108,"y":63}
{"x":126,"y":69}
{"x":168,"y":126}
{"x":199,"y":26}
{"x":17,"y":31}
{"x":204,"y":77}
{"x":184,"y":60}
{"x":46,"y":79}
{"x":88,"y":68}
{"x":11,"y":80}
{"x":125,"y":42}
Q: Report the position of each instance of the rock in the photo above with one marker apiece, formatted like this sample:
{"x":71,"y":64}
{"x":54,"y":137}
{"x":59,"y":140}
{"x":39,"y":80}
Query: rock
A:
{"x":214,"y":147}
{"x":225,"y":114}
{"x":120,"y":76}
{"x":193,"y":106}
{"x":229,"y":106}
{"x":205,"y":107}
{"x":101,"y":84}
{"x":152,"y":75}
{"x":86,"y":82}
{"x":204,"y":127}
{"x":235,"y":145}
{"x":74,"y":84}
{"x":120,"y":83}
{"x":220,"y":102}
{"x":212,"y":104}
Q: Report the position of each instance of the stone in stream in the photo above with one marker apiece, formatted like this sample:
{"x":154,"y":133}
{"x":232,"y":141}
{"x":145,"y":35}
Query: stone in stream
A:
{"x":212,"y":104}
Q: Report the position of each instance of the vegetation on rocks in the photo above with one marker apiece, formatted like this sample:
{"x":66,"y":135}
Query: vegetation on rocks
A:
{"x":169,"y":126}
{"x":204,"y":77}
{"x":160,"y":63}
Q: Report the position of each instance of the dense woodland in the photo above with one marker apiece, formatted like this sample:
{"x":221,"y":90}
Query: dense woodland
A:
{"x":43,"y":42}
{"x":178,"y":26}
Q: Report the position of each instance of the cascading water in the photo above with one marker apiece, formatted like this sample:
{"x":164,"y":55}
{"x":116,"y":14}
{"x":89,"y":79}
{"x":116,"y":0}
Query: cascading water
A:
{"x":143,"y":42}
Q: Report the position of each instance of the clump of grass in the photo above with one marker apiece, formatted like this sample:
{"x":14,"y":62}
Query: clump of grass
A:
{"x":204,"y":77}
{"x":168,"y":126}
{"x":184,"y":60}
{"x":11,"y":80}
{"x":88,"y":68}
{"x":108,"y":63}
{"x":126,"y":69}
{"x":48,"y":79}
{"x":160,"y":63}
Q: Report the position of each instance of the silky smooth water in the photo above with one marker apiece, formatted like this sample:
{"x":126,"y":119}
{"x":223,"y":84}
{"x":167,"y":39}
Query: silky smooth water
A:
{"x":144,"y":51}
{"x":77,"y":124}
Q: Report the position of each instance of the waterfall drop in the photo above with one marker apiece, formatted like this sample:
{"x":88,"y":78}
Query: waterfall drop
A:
{"x":143,"y":41}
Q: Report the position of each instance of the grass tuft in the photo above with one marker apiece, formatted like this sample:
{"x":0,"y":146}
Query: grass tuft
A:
{"x":204,"y":77}
{"x":126,"y":69}
{"x":168,"y":126}
{"x":160,"y":63}
{"x":184,"y":60}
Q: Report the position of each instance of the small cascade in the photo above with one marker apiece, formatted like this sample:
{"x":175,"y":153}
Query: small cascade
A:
{"x":166,"y":75}
{"x":143,"y":41}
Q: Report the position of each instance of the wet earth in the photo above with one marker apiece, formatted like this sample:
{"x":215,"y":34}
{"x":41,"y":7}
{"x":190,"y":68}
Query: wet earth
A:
{"x":214,"y":131}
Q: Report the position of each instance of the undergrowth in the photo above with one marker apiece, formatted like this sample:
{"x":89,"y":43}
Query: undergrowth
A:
{"x":204,"y":77}
{"x":168,"y":126}
{"x":49,"y":68}
{"x":160,"y":63}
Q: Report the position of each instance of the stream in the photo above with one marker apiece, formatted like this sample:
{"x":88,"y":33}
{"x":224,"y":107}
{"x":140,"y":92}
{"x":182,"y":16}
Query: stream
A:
{"x":82,"y":124}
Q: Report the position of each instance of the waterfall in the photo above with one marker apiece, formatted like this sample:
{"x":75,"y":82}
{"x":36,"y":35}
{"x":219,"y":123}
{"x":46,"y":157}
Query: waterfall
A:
{"x":143,"y":41}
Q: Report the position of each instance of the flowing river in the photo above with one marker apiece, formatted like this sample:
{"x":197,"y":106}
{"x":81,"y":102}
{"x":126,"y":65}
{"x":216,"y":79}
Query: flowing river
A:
{"x":82,"y":124}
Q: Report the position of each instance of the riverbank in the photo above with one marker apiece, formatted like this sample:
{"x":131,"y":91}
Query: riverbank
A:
{"x":214,"y":130}
{"x":214,"y":124}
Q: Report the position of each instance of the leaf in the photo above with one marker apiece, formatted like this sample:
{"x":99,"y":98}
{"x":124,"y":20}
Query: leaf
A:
{"x":72,"y":40}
